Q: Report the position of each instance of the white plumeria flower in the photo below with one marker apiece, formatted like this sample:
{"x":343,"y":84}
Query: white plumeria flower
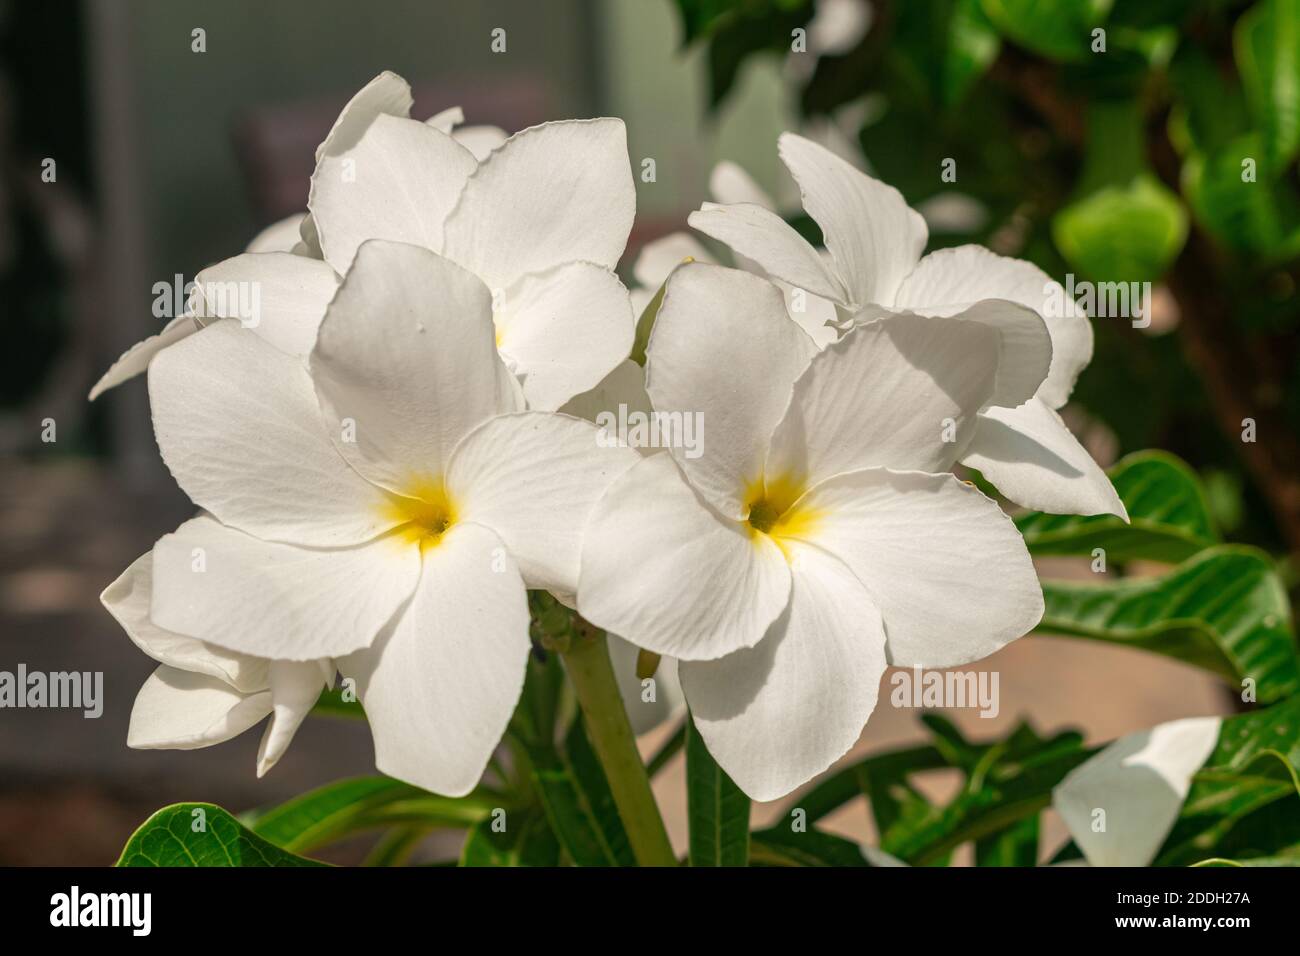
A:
{"x":819,"y":536}
{"x":542,"y":221}
{"x":542,"y":217}
{"x":385,"y":510}
{"x":1138,"y":784}
{"x":875,"y":243}
{"x":729,"y":183}
{"x":202,"y":695}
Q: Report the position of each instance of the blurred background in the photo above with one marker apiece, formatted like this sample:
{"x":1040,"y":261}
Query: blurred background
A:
{"x":166,"y":159}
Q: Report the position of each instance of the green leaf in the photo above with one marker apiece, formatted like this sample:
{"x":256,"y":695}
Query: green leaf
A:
{"x":527,"y":840}
{"x":332,"y":704}
{"x":1236,"y":201}
{"x":873,"y":776}
{"x":944,"y":47}
{"x":718,"y":810}
{"x":670,"y":748}
{"x":1245,"y":803}
{"x":1006,"y":782}
{"x":1058,"y":29}
{"x":1266,"y":43}
{"x":1169,"y":516}
{"x":1224,"y":609}
{"x":170,"y":838}
{"x":1014,"y":845}
{"x":782,"y":846}
{"x":579,"y":803}
{"x":338,"y":809}
{"x":1122,"y":233}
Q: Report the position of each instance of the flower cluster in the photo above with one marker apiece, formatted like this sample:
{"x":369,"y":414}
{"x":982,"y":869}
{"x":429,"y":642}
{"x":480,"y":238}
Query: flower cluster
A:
{"x":404,"y":442}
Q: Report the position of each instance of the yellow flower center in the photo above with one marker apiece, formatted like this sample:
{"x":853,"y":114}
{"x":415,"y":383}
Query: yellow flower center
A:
{"x":422,"y":512}
{"x":775,"y":510}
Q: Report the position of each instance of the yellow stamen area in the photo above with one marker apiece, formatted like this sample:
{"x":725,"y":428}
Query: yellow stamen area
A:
{"x":422,"y":512}
{"x":776,"y":512}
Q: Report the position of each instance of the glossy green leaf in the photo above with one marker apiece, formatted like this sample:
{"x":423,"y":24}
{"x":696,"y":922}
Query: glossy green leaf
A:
{"x":1169,"y":517}
{"x":526,"y":840}
{"x":1224,"y":610}
{"x":1245,"y":803}
{"x":202,"y":834}
{"x":718,"y":810}
{"x":344,"y":807}
{"x":1122,"y":233}
{"x":1266,"y":43}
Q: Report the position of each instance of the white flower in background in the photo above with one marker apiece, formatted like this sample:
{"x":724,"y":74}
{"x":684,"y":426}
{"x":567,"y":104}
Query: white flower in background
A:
{"x":875,"y":243}
{"x":201,"y":695}
{"x":385,"y":511}
{"x":1139,"y":782}
{"x":818,"y":536}
{"x":543,"y":219}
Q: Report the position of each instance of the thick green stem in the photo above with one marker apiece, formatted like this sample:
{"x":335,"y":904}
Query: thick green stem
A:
{"x":587,"y":661}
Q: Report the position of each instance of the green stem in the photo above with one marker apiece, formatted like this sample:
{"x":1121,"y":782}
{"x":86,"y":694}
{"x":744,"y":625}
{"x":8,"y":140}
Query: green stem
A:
{"x":587,"y":661}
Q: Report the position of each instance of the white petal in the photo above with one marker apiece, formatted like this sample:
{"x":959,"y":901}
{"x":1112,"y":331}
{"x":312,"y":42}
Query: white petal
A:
{"x":815,"y":315}
{"x":949,"y":280}
{"x":238,"y":425}
{"x":1140,"y":781}
{"x":875,"y":239}
{"x":551,"y":194}
{"x":397,"y":179}
{"x":440,"y":684}
{"x":776,"y":715}
{"x":730,"y":184}
{"x":763,"y":237}
{"x":281,"y":236}
{"x":137,"y":358}
{"x":658,"y":258}
{"x":624,"y":385}
{"x":447,"y":120}
{"x":276,"y":600}
{"x":1024,"y":345}
{"x":723,"y":347}
{"x":480,"y":140}
{"x":534,"y":478}
{"x":295,"y":688}
{"x":407,"y":353}
{"x":386,"y":95}
{"x":181,"y":710}
{"x":902,"y":392}
{"x":563,"y":330}
{"x":281,"y":297}
{"x":947,"y":568}
{"x":661,"y":569}
{"x":645,"y":715}
{"x":128,"y":599}
{"x":1031,"y":457}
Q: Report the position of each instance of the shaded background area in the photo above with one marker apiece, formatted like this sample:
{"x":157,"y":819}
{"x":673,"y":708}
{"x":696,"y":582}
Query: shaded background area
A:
{"x":168,"y":160}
